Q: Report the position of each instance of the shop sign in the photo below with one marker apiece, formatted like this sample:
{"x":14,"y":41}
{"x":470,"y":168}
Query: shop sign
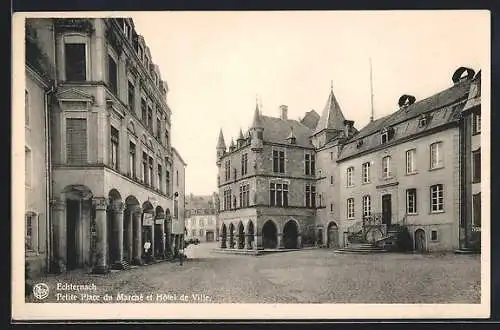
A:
{"x":147,"y":219}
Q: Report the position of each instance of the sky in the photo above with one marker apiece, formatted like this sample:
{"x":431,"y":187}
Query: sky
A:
{"x":216,"y":63}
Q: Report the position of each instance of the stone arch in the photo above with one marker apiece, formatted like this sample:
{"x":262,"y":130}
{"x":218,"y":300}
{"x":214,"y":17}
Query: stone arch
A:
{"x":420,"y":240}
{"x":250,"y":230}
{"x":132,"y":230}
{"x":270,"y":235}
{"x":223,"y":236}
{"x":291,"y":234}
{"x":332,"y":235}
{"x":79,"y":244}
{"x":147,"y":228}
{"x":241,"y":235}
{"x":231,"y":235}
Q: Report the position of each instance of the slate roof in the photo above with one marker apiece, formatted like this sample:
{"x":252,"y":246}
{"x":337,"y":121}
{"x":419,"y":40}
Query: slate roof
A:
{"x":276,"y":130}
{"x":442,"y":108}
{"x":332,"y":116}
{"x":311,"y":119}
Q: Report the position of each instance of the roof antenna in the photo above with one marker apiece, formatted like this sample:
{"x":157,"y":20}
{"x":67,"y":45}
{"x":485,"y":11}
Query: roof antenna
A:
{"x":371,"y":90}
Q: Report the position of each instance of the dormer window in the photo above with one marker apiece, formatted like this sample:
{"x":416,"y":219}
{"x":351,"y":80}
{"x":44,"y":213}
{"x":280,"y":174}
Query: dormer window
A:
{"x":386,"y":134}
{"x":126,"y":29}
{"x":423,"y":121}
{"x":359,"y":144}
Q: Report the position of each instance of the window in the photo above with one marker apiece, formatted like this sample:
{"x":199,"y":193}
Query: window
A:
{"x":350,"y":174}
{"x":27,"y":166}
{"x":75,"y":61}
{"x":476,"y":210}
{"x":160,"y":171}
{"x":434,"y":235}
{"x":150,"y":119}
{"x":384,"y":136}
{"x":177,"y":178}
{"x":437,"y":198}
{"x":244,"y":164}
{"x":76,"y":140}
{"x":411,"y":201}
{"x":350,"y":208}
{"x":112,"y":75}
{"x":331,"y":207}
{"x":26,"y":108}
{"x":365,"y":169}
{"x":30,"y":237}
{"x":227,"y":199}
{"x":145,"y":167}
{"x":201,"y":232}
{"x":227,"y":170}
{"x":176,"y":208}
{"x":386,"y":167}
{"x":331,"y":155}
{"x":193,"y":232}
{"x":150,"y":171}
{"x":144,"y":117}
{"x":476,"y":166}
{"x":310,"y":195}
{"x":278,"y":161}
{"x":131,"y":96}
{"x":367,"y":206}
{"x":410,"y":161}
{"x":166,"y":138}
{"x":126,"y":30}
{"x":278,"y":194}
{"x":331,"y":179}
{"x":131,"y":159}
{"x":436,"y":155}
{"x":310,"y":164}
{"x":422,"y":121}
{"x":244,"y":195}
{"x":158,"y":127}
{"x":200,"y":222}
{"x":235,"y":171}
{"x":167,"y":182}
{"x":476,"y":123}
{"x":114,"y":147}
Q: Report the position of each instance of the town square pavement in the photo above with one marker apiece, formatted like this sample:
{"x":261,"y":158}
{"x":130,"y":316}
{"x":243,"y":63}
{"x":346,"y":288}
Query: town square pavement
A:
{"x":306,"y":276}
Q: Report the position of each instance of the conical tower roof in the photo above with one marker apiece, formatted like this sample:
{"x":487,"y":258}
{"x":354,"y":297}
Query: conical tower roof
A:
{"x":257,"y":120}
{"x":221,"y":144}
{"x":332,"y":116}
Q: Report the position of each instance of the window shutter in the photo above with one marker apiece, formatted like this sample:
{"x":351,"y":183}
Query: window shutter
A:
{"x":76,"y":140}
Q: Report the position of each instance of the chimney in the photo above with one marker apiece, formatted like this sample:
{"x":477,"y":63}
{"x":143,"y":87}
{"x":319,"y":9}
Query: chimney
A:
{"x":284,"y":112}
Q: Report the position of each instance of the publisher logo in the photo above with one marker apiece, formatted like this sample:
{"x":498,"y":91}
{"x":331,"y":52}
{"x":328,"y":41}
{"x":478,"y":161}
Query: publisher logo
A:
{"x":41,"y":291}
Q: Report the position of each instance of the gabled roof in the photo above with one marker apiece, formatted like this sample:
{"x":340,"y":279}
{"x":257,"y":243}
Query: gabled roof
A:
{"x":331,"y":117}
{"x":442,"y":108}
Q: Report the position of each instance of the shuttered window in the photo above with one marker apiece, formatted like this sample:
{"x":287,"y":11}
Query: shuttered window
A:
{"x":76,"y":140}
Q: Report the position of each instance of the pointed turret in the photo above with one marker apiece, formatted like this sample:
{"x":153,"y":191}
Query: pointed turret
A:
{"x":257,"y":120}
{"x":232,"y":145}
{"x":331,"y":124}
{"x":241,"y":139}
{"x":221,"y":146}
{"x":257,"y":131}
{"x":332,"y":117}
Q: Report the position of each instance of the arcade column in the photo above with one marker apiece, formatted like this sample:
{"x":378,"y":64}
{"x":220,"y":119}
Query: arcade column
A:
{"x":137,"y":225}
{"x":280,"y":243}
{"x":59,"y":232}
{"x":258,"y":242}
{"x":117,"y":216}
{"x":101,"y":263}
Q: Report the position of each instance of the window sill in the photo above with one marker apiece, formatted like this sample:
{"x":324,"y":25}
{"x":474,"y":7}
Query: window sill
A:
{"x":476,"y":181}
{"x":411,"y":173}
{"x":351,"y":218}
{"x":350,"y":186}
{"x":365,"y":183}
{"x":476,"y":133}
{"x":412,"y":214}
{"x":436,"y":168}
{"x":436,"y":212}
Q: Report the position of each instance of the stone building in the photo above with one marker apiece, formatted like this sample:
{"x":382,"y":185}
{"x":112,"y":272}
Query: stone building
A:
{"x":268,"y":179}
{"x":201,"y":218}
{"x":287,"y":183}
{"x":39,"y":76}
{"x":111,"y":157}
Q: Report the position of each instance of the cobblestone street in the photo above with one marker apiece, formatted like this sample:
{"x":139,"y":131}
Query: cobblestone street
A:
{"x":307,"y":276}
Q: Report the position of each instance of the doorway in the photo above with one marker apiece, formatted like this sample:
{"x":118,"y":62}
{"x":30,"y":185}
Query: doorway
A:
{"x":72,"y":217}
{"x":333,"y":235}
{"x":420,"y":240}
{"x":386,"y":210}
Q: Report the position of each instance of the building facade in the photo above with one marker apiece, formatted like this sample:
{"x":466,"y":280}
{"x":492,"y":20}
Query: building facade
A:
{"x":400,"y":174}
{"x":111,"y":159}
{"x":202,"y":218}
